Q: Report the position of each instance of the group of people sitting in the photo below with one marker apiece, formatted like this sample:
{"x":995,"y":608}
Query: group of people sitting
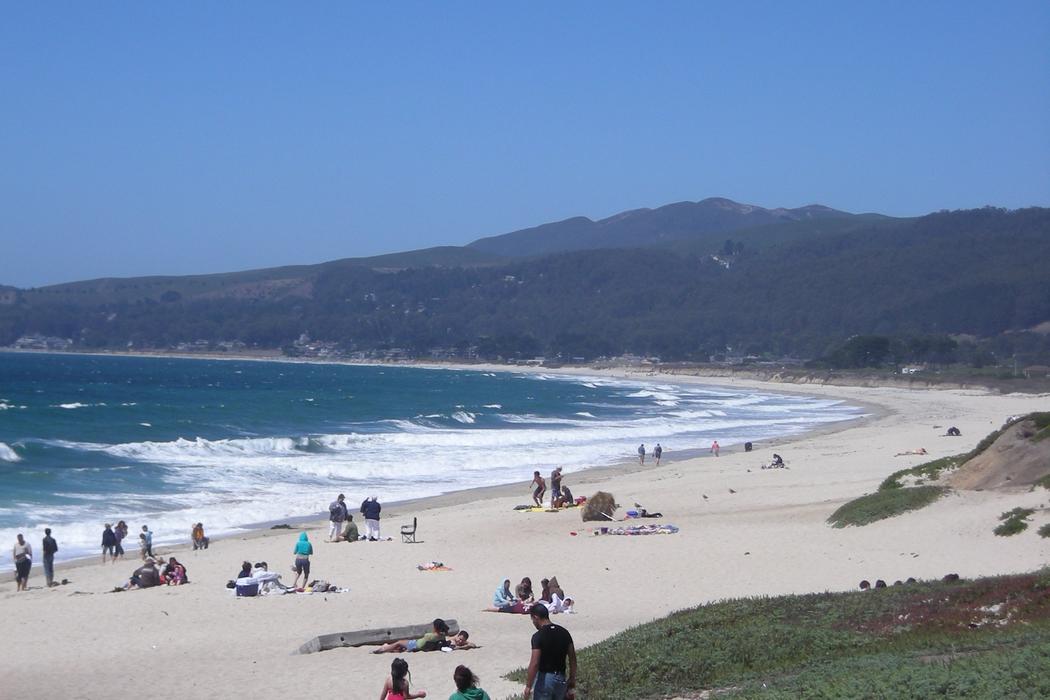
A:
{"x":259,"y":576}
{"x":149,"y":575}
{"x":522,"y":597}
{"x":777,"y":463}
{"x":436,"y":638}
{"x":396,"y":686}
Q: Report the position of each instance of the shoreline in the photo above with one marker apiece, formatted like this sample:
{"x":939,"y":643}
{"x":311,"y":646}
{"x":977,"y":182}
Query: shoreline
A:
{"x":458,"y":497}
{"x":743,"y":532}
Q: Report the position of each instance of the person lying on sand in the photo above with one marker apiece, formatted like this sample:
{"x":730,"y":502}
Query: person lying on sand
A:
{"x":919,"y":451}
{"x":459,"y":641}
{"x":432,"y":639}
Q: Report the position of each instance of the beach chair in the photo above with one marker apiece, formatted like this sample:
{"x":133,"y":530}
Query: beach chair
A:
{"x":408,"y":532}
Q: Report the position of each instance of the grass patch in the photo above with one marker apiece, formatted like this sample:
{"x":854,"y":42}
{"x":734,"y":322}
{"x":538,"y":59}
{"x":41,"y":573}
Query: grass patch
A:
{"x":1014,"y":521}
{"x":928,"y":471}
{"x":885,"y":504}
{"x":1044,"y":531}
{"x":984,"y":638}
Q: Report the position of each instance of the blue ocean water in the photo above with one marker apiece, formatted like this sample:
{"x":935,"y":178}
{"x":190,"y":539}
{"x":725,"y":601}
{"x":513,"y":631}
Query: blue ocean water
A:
{"x":86,"y":439}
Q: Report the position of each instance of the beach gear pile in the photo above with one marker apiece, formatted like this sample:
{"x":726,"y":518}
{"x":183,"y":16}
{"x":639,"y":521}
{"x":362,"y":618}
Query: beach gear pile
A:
{"x":433,"y":566}
{"x":637,"y":530}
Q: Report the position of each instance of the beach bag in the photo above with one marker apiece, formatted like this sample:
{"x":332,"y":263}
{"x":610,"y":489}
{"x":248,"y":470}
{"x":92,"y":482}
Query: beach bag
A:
{"x":247,"y":587}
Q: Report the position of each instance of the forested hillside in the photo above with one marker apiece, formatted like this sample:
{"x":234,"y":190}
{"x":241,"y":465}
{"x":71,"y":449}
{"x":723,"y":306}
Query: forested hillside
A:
{"x":790,"y":288}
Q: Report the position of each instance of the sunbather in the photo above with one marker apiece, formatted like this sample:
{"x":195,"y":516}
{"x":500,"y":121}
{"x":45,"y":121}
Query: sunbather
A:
{"x":428,"y":642}
{"x":919,"y":451}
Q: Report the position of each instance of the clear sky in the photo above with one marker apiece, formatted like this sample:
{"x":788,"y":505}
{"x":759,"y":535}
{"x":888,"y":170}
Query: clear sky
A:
{"x":171,"y":138}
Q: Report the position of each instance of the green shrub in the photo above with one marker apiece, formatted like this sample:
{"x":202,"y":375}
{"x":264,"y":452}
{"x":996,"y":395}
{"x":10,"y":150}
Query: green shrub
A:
{"x":1014,"y":521}
{"x":1044,"y":531}
{"x":928,"y":470}
{"x":885,"y":504}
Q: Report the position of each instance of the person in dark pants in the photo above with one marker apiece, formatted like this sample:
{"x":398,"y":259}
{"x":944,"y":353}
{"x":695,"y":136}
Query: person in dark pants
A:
{"x":49,"y":547}
{"x":552,"y":647}
{"x":109,"y":544}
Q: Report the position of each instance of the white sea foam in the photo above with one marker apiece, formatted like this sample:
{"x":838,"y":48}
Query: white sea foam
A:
{"x":464,"y":416}
{"x":7,"y":453}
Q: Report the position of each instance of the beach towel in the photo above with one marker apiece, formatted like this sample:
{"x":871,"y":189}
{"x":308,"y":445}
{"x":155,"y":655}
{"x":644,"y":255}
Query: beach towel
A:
{"x":433,"y":566}
{"x":638,"y":530}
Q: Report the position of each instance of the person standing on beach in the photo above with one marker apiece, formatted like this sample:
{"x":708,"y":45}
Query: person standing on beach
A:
{"x":49,"y":547}
{"x":200,"y":541}
{"x":555,"y":487}
{"x":109,"y":544}
{"x":541,"y":488}
{"x":120,"y":532}
{"x":23,"y":556}
{"x":147,"y":542}
{"x":336,"y":517}
{"x":715,"y":447}
{"x":303,"y":549}
{"x":552,"y":647}
{"x":371,"y":509}
{"x":658,"y":452}
{"x":641,"y":453}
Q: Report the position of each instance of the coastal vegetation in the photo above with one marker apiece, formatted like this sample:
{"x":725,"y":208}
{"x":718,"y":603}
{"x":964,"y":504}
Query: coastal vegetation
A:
{"x":947,"y":289}
{"x":885,"y":503}
{"x":1014,"y":521}
{"x":988,"y":637}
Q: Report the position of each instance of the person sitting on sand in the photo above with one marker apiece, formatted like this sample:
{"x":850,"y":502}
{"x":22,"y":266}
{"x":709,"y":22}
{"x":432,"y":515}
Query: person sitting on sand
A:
{"x":553,"y":597}
{"x":919,"y":451}
{"x":504,"y":601}
{"x":953,"y":432}
{"x":396,"y":687}
{"x":146,"y":576}
{"x":541,"y":488}
{"x":303,"y":549}
{"x":174,"y":573}
{"x":523,"y":591}
{"x":466,"y":685}
{"x":350,"y":531}
{"x":246,"y":570}
{"x":428,"y":642}
{"x":197,"y":535}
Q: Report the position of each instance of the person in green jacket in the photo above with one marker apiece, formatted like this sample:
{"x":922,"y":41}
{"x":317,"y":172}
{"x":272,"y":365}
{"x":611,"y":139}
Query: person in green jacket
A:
{"x":466,"y":685}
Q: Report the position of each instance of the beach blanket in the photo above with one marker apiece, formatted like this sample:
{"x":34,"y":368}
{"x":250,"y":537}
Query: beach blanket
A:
{"x":534,"y":509}
{"x":638,"y":530}
{"x":433,"y":566}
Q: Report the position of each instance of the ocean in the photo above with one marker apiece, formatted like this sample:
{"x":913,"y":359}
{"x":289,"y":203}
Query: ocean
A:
{"x":88,"y":439}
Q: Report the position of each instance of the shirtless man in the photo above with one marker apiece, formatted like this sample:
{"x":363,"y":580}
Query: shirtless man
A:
{"x":541,"y":488}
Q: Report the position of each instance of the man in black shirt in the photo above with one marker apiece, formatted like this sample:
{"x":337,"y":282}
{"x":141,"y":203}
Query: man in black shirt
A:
{"x":551,"y":646}
{"x":50,"y":547}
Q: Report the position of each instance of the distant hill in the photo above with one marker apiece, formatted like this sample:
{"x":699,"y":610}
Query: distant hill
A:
{"x":783,"y":282}
{"x":702,"y":222}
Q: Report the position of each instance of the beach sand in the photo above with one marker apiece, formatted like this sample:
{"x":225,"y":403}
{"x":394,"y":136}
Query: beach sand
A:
{"x":770,"y":537}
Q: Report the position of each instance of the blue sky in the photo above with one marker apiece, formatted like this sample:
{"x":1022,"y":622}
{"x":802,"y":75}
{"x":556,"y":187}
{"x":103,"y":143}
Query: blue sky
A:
{"x":144,"y":138}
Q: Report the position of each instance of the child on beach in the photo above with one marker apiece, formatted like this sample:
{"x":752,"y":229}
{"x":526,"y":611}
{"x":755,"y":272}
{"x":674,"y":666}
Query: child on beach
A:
{"x":303,"y":549}
{"x":396,"y":687}
{"x":466,"y":685}
{"x":541,"y":488}
{"x":434,"y":638}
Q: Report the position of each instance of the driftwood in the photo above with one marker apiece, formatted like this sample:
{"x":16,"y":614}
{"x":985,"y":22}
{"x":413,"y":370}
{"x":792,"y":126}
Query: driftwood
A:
{"x":357,"y":638}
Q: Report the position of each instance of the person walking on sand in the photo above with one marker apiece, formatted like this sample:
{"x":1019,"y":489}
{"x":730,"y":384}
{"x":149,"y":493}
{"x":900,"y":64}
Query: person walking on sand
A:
{"x":466,"y":685}
{"x":49,"y":547}
{"x":715,"y":448}
{"x":541,"y":488}
{"x":109,"y":544}
{"x":371,"y":510}
{"x":22,"y":553}
{"x":147,"y":542}
{"x":119,"y":532}
{"x":336,"y":517}
{"x":552,"y":651}
{"x":641,"y":453}
{"x":302,"y":550}
{"x":396,"y":686}
{"x":658,"y":452}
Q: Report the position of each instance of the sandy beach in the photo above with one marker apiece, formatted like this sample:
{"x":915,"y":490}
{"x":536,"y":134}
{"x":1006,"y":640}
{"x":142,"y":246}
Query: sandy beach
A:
{"x":769,"y":537}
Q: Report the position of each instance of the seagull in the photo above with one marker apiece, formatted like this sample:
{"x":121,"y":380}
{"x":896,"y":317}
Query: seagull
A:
{"x":705,"y":496}
{"x":732,"y":491}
